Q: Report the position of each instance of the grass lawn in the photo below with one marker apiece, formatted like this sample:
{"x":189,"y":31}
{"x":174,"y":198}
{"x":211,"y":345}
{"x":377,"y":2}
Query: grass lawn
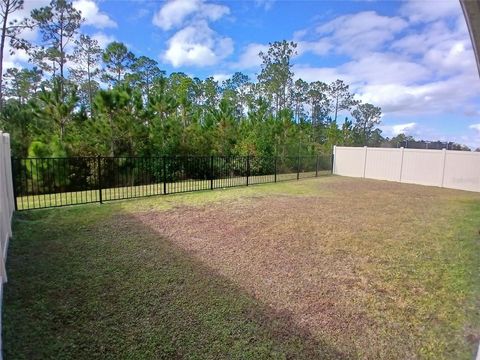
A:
{"x":326,"y":268}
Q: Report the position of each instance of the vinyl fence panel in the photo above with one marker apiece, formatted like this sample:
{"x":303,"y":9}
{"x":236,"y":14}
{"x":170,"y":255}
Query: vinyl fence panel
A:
{"x":6,"y":200}
{"x":424,"y":167}
{"x":349,"y":161}
{"x":383,"y":164}
{"x":446,"y":168}
{"x":7,"y":206}
{"x":462,"y":171}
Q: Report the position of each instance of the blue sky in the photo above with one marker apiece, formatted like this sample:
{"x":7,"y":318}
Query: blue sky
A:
{"x":412,"y":58}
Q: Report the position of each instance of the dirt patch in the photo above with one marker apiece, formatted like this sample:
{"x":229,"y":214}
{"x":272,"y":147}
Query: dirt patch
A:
{"x":320,"y":258}
{"x":322,"y":268}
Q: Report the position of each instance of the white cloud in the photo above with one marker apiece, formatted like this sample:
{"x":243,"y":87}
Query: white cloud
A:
{"x":197,"y":45}
{"x":473,"y":142}
{"x":92,"y":14}
{"x":249,"y":57}
{"x":410,"y":129}
{"x":28,"y":6}
{"x":442,"y":96}
{"x":300,"y":34}
{"x":450,"y":57}
{"x":221,"y":77}
{"x":321,"y":47}
{"x":175,"y":12}
{"x":103,"y":39}
{"x":471,"y":110}
{"x":404,"y":67}
{"x":265,"y":4}
{"x":403,"y":128}
{"x":89,"y":10}
{"x":400,"y":86}
{"x":475,"y":127}
{"x":427,"y":11}
{"x":472,"y":138}
{"x":326,"y":75}
{"x":18,"y":58}
{"x":440,"y":46}
{"x":415,"y":42}
{"x":356,"y":34}
{"x":385,"y":68}
{"x":213,"y":12}
{"x":442,"y":62}
{"x":140,"y":14}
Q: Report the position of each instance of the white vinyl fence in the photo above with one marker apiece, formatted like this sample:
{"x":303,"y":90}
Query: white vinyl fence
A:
{"x":445,"y":168}
{"x":7,"y":207}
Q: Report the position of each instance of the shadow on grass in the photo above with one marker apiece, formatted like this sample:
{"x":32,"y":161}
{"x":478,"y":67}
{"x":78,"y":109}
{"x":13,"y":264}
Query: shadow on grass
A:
{"x":95,"y":283}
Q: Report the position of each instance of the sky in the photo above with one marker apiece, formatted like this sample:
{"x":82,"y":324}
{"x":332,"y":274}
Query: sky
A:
{"x":414,"y":59}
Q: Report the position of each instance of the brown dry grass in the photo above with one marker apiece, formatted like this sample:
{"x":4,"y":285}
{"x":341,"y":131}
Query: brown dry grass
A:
{"x":359,"y":264}
{"x":325,"y":268}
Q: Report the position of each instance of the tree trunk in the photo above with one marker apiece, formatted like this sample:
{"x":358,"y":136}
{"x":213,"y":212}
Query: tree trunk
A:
{"x":365,"y":133}
{"x":148,"y":88}
{"x":90,"y":95}
{"x":2,"y":47}
{"x":62,"y":130}
{"x":62,"y":55}
{"x":112,"y":141}
{"x":336,"y":109}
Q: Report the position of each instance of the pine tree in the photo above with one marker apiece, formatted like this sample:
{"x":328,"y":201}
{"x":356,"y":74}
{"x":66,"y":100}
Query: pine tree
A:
{"x":58,"y":24}
{"x":87,"y":55}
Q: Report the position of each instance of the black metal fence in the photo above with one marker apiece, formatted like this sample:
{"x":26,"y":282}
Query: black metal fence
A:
{"x":52,"y":182}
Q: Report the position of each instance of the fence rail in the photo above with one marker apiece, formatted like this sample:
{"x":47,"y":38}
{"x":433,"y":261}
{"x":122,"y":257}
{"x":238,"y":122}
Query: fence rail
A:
{"x":52,"y":182}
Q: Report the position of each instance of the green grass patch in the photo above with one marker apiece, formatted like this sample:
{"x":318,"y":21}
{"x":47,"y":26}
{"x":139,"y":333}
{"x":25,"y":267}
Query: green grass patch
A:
{"x":339,"y":268}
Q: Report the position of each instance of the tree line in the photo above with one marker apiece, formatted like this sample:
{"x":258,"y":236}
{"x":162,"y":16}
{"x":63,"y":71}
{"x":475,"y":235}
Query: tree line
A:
{"x":77,"y":99}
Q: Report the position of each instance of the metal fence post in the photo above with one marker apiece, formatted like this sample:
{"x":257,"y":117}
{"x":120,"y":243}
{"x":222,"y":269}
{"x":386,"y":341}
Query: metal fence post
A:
{"x":333,"y":158}
{"x":99,"y":169}
{"x":275,"y":169}
{"x":248,"y":167}
{"x":211,"y":172}
{"x":164,"y":159}
{"x":298,"y":167}
{"x":14,"y":182}
{"x":316,"y":167}
{"x":333,"y":163}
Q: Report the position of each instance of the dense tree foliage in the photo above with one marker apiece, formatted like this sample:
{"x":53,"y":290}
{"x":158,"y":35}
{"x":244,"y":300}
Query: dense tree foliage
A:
{"x":403,"y":140}
{"x":78,"y":99}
